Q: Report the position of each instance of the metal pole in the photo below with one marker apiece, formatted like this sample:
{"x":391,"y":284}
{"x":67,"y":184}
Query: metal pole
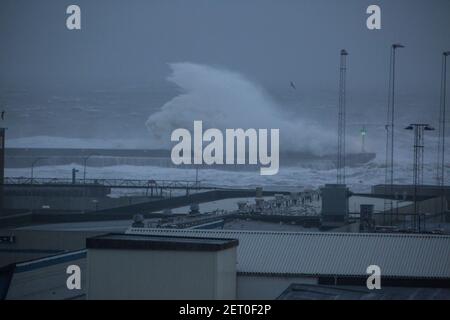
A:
{"x":419,"y":130}
{"x":341,"y":118}
{"x":84,"y":167}
{"x":416,"y":159}
{"x":440,"y":176}
{"x":390,"y":127}
{"x":31,"y":186}
{"x":32,"y":172}
{"x":388,"y":133}
{"x":32,"y":181}
{"x":196,"y":176}
{"x":32,"y":167}
{"x":443,"y":131}
{"x":84,"y":183}
{"x":2,"y":167}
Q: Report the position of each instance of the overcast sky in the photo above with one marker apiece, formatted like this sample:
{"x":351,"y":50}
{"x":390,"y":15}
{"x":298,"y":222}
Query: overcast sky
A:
{"x":129,"y":43}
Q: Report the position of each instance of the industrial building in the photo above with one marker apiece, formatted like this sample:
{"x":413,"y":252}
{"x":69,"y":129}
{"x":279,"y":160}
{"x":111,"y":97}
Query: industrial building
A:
{"x":160,"y":267}
{"x":120,"y":257}
{"x":262,"y":266}
{"x":101,"y":176}
{"x":42,"y":279}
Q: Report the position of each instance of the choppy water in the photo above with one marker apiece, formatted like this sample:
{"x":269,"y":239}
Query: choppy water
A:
{"x":358,"y":178}
{"x":144,"y":118}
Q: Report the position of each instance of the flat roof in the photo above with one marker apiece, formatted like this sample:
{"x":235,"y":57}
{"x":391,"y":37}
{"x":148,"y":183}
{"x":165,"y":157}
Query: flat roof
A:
{"x":159,"y":242}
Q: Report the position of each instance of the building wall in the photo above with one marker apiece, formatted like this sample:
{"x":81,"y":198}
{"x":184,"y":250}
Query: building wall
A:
{"x":70,"y":203}
{"x":151,"y":274}
{"x":226,"y":269}
{"x":431,"y":208}
{"x":351,"y":227}
{"x":400,"y":190}
{"x":32,"y":244}
{"x":254,"y":287}
{"x":335,"y":204}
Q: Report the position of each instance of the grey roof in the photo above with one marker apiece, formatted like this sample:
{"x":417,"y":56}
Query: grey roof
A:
{"x":45,"y":278}
{"x":320,"y":292}
{"x":331,"y":254}
{"x":152,"y":242}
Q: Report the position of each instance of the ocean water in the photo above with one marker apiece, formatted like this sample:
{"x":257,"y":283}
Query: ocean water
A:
{"x":144,"y":117}
{"x":359,"y":179}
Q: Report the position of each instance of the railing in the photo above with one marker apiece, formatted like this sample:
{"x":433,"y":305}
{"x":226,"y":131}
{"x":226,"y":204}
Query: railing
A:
{"x":111,"y":183}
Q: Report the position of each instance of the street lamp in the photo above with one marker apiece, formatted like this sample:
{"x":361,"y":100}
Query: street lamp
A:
{"x":340,"y":178}
{"x":85,"y":159}
{"x":440,"y":174}
{"x":419,"y":129}
{"x":389,"y":174}
{"x":32,"y":180}
{"x":32,"y":167}
{"x":196,"y":177}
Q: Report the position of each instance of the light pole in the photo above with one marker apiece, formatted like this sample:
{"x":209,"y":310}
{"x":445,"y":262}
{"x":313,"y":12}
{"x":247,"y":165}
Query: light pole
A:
{"x":340,"y":179}
{"x":196,"y":177}
{"x":389,"y":174}
{"x":440,"y":174}
{"x":85,"y":159}
{"x":32,"y":167}
{"x":32,"y":180}
{"x":419,"y":130}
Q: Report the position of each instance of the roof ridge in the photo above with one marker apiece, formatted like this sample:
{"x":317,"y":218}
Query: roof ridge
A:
{"x":301,"y":233}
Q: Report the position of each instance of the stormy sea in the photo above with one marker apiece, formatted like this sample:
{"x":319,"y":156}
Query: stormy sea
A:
{"x":143,"y":118}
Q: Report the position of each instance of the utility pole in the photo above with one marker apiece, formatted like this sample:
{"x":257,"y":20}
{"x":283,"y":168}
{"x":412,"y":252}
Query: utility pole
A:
{"x":2,"y":166}
{"x":389,"y":173}
{"x":85,"y":159}
{"x":32,"y":167}
{"x":341,"y":119}
{"x":196,"y":177}
{"x":440,"y":174}
{"x":419,"y":129}
{"x":32,"y":181}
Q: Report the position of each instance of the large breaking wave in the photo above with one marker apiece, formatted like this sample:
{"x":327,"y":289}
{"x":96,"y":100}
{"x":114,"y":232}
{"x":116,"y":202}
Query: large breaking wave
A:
{"x":225,"y":99}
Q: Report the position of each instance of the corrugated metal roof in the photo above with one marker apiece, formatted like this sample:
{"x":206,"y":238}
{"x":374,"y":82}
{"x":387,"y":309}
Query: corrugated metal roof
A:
{"x":45,"y":278}
{"x":333,"y":254}
{"x":319,"y":292}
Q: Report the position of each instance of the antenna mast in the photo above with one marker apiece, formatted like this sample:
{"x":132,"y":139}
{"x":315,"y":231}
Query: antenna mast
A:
{"x":341,"y":119}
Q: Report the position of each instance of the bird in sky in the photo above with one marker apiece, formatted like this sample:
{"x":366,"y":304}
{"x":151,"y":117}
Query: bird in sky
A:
{"x":293,"y":85}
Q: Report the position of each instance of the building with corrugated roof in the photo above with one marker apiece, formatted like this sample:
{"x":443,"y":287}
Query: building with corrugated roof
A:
{"x":266,"y":264}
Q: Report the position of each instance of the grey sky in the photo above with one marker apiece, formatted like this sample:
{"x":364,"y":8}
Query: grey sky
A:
{"x":129,"y":43}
